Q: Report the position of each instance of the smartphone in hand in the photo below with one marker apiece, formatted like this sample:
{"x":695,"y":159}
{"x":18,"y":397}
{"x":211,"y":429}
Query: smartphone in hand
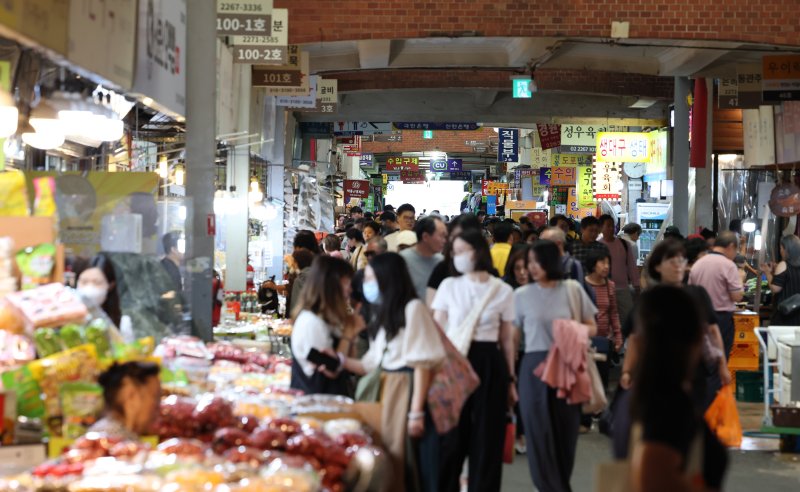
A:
{"x":320,"y":359}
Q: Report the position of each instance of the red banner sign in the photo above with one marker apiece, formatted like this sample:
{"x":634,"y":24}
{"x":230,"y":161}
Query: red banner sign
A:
{"x":549,"y":135}
{"x":412,"y":177}
{"x":356,"y":188}
{"x":402,"y":164}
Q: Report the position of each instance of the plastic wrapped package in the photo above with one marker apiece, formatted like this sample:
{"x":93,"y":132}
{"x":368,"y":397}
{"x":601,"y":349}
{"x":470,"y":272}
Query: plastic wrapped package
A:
{"x":49,"y":305}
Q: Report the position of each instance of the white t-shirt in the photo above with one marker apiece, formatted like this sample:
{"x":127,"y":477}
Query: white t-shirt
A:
{"x":309,"y":331}
{"x":416,"y":345}
{"x":398,"y":238}
{"x":458,"y":295}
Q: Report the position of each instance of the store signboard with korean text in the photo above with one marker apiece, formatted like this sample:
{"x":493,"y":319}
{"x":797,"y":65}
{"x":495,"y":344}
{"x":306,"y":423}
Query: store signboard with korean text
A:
{"x":161,"y":54}
{"x":362,"y":127}
{"x":326,"y":100}
{"x":728,"y":93}
{"x":356,"y":188}
{"x":508,"y":145}
{"x":584,"y":188}
{"x":606,"y":181}
{"x":582,"y":138}
{"x":459,"y":126}
{"x":412,"y":177}
{"x":549,"y":136}
{"x":43,"y":21}
{"x":298,"y":102}
{"x":102,"y":38}
{"x":574,"y":209}
{"x":781,"y":78}
{"x":284,"y":80}
{"x":623,"y":147}
{"x":237,"y":17}
{"x":748,"y":82}
{"x":545,"y":174}
{"x":263,"y":49}
{"x":657,"y":165}
{"x":563,"y":176}
{"x":402,"y":164}
{"x":366,"y":160}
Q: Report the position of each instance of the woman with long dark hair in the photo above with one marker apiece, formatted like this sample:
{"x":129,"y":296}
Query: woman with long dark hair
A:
{"x":784,"y":280}
{"x":477,"y":310}
{"x":323,"y":320}
{"x":551,"y":423}
{"x":675,"y":449}
{"x":406,"y":347}
{"x":516,"y":274}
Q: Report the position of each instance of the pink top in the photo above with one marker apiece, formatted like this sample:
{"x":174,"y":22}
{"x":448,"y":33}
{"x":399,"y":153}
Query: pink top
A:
{"x":624,"y":271}
{"x":719,"y":276}
{"x":565,"y":366}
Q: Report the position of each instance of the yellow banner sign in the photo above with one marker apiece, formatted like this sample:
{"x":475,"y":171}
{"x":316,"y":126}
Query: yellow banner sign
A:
{"x":623,"y":147}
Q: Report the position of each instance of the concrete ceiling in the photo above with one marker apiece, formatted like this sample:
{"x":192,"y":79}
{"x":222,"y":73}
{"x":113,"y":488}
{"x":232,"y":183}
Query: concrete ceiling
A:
{"x":517,"y":55}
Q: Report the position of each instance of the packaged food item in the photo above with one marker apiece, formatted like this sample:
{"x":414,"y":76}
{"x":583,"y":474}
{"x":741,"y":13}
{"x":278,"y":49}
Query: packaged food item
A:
{"x":44,"y":205}
{"x":137,"y":350}
{"x":15,"y":350}
{"x":71,"y":335}
{"x":77,"y":364}
{"x":28,"y":391}
{"x":14,"y":193}
{"x":47,"y":342}
{"x":36,"y":265}
{"x":81,"y":404}
{"x":10,"y":320}
{"x":97,"y":334}
{"x":8,"y":417}
{"x":48,"y":306}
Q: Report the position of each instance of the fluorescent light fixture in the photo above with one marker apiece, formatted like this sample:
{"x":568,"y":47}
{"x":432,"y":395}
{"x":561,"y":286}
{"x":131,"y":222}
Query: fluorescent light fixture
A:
{"x":757,"y":242}
{"x":163,"y":167}
{"x":180,"y":174}
{"x":643,"y":103}
{"x":748,"y":226}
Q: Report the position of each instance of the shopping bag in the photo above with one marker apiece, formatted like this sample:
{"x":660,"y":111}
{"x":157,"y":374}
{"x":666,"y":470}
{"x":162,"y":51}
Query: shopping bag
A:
{"x":598,"y":401}
{"x":722,"y":418}
{"x":511,"y":438}
{"x":452,"y":383}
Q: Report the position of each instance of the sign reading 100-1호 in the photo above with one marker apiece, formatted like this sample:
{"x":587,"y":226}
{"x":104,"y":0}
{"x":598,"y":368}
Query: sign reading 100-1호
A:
{"x":244,"y":17}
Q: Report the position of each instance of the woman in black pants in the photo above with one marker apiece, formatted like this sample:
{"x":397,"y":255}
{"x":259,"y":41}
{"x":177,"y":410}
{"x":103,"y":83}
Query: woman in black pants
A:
{"x":476,"y":310}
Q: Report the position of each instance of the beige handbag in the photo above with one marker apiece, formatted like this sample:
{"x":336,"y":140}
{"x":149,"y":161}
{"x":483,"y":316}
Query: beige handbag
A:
{"x":598,"y":401}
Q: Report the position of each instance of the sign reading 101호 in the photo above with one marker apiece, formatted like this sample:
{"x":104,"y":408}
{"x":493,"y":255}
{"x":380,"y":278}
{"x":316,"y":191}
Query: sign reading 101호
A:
{"x":244,"y":17}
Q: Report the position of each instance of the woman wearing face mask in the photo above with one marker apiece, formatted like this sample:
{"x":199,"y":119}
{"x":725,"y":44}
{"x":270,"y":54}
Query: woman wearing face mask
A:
{"x":476,"y":306}
{"x":132,"y":394}
{"x":445,"y":267}
{"x":551,"y":422}
{"x":97,"y":286}
{"x":406,"y":347}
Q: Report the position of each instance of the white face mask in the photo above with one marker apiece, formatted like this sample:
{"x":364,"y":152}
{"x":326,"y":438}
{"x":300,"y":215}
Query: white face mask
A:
{"x":464,"y":263}
{"x":92,"y":295}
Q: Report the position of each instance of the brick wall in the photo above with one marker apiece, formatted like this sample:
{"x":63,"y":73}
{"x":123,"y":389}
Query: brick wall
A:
{"x":761,"y":21}
{"x":444,"y":141}
{"x":547,"y":79}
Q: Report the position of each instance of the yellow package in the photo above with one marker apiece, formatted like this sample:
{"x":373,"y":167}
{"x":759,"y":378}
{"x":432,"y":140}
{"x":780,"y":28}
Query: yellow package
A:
{"x":44,"y":205}
{"x":14,"y":193}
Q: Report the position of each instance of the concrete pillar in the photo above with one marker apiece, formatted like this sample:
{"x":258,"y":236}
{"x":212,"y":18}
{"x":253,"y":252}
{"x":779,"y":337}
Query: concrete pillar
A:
{"x":703,"y":213}
{"x":278,"y":135}
{"x":680,"y":157}
{"x":236,"y":219}
{"x":201,"y":76}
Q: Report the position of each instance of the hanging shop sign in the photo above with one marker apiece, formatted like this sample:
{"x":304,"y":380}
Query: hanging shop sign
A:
{"x":545,"y":174}
{"x":508,"y":145}
{"x":391,"y":177}
{"x":584,"y":187}
{"x":412,"y":177}
{"x":570,"y":160}
{"x":161,"y":54}
{"x":356,"y":188}
{"x":402,"y":164}
{"x":439,"y":165}
{"x":366,"y":160}
{"x":44,"y":22}
{"x":301,"y":102}
{"x":284,"y":80}
{"x":455,"y":165}
{"x":728,"y":94}
{"x":263,"y":49}
{"x":496,"y":188}
{"x":389,"y":138}
{"x":362,"y":128}
{"x":781,"y":78}
{"x":657,"y":165}
{"x":244,"y":17}
{"x":540,"y":157}
{"x":102,"y":38}
{"x":549,"y":136}
{"x":559,"y":196}
{"x":606,"y":181}
{"x":748,"y":78}
{"x":582,"y":139}
{"x":353,"y":149}
{"x":326,"y":100}
{"x":623,"y":147}
{"x":785,"y":200}
{"x":563,"y":176}
{"x":459,"y":176}
{"x":461,"y":126}
{"x":521,"y":174}
{"x":491,"y":204}
{"x":573,"y":208}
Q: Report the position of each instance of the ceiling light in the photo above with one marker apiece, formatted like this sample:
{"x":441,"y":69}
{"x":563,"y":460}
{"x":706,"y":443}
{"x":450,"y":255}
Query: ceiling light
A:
{"x":163,"y":167}
{"x":255,"y":194}
{"x":180,"y":174}
{"x":9,"y":115}
{"x":643,"y":103}
{"x":43,"y":141}
{"x":748,"y":226}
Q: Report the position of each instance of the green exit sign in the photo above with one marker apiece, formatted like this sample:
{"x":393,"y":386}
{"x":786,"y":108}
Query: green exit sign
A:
{"x":427,"y":134}
{"x":522,"y":88}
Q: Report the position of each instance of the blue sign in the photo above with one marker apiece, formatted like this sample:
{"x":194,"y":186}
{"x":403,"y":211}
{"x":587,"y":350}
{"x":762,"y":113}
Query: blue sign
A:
{"x":454,"y":165}
{"x":366,"y":160}
{"x":508,"y":145}
{"x":436,"y":126}
{"x":461,"y":176}
{"x":491,"y":204}
{"x":439,"y":166}
{"x":522,"y":88}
